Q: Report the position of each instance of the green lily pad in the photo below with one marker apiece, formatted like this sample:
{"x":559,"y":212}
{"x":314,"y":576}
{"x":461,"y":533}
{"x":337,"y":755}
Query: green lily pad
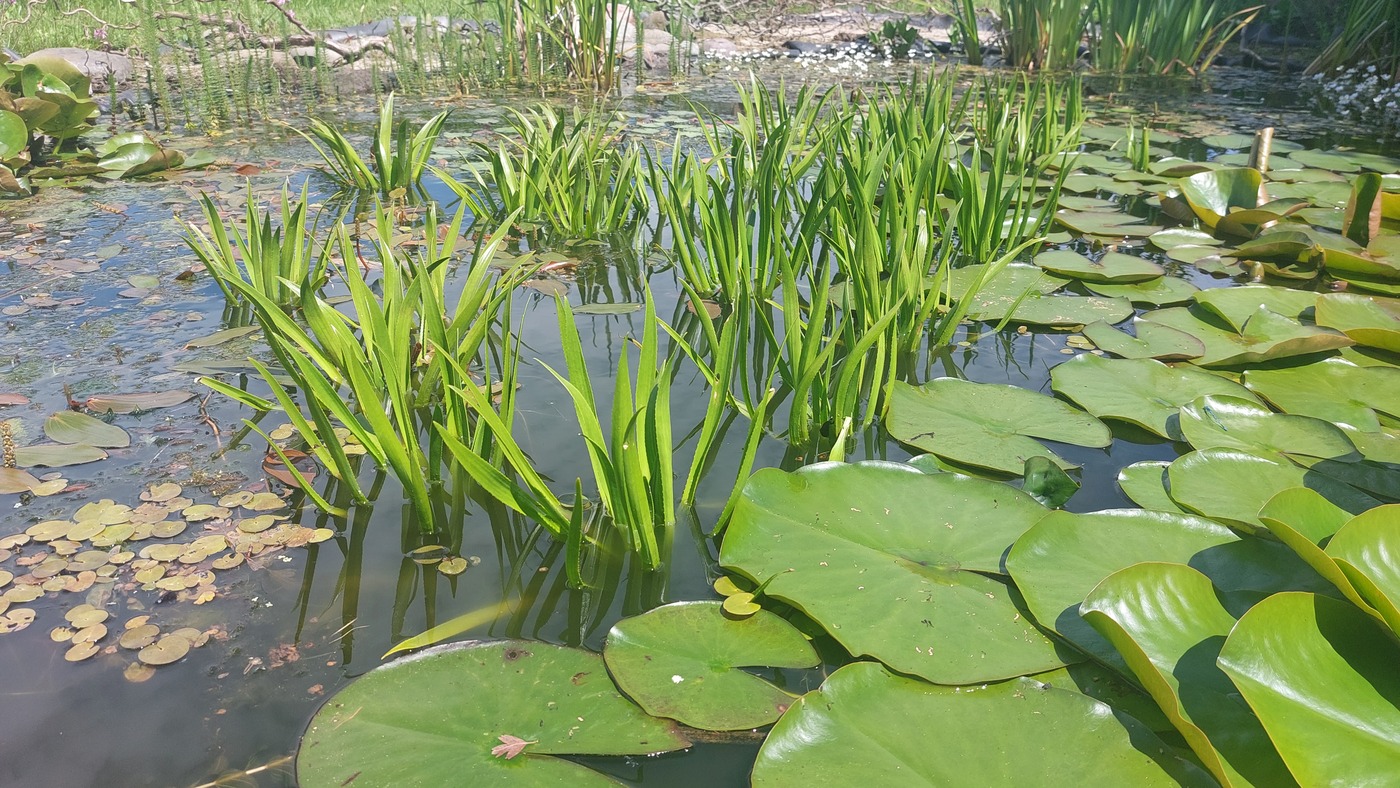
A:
{"x":1306,"y":522}
{"x":1325,"y":160}
{"x":1333,"y":389}
{"x":1236,"y":305}
{"x":894,"y":563}
{"x":1112,"y":268}
{"x":1365,"y":549}
{"x":1152,"y":341}
{"x":1000,"y":292}
{"x":1142,"y":392}
{"x":1145,"y":484}
{"x":1167,"y":240}
{"x":1063,"y":557}
{"x":1167,"y":623}
{"x":1266,"y":336}
{"x":1047,"y":483}
{"x":683,"y":661}
{"x":1106,"y":224}
{"x":1226,"y":422}
{"x":986,"y":425}
{"x":1320,"y":676}
{"x":1232,"y":486}
{"x":14,"y":135}
{"x":1162,"y":291}
{"x":1062,"y":310}
{"x":1212,"y":195}
{"x":434,"y":719}
{"x":72,"y":427}
{"x":867,"y":726}
{"x":1279,"y":244}
{"x":1369,"y":320}
{"x":57,"y":455}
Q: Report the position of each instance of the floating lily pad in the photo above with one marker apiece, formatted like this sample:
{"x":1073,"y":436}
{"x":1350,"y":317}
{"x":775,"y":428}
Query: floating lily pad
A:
{"x":1142,"y":392}
{"x":1061,"y":559}
{"x":1236,"y":305}
{"x":987,"y":425}
{"x":1266,"y":336}
{"x":1212,"y":195}
{"x":1167,"y":623}
{"x":894,"y":563}
{"x":1182,"y":236}
{"x":1369,"y":320}
{"x":1363,"y":549}
{"x":1333,"y":389}
{"x":435,"y":719}
{"x":1152,"y":341}
{"x":1112,"y":267}
{"x":867,"y":726}
{"x":1162,"y":291}
{"x":71,"y":427}
{"x":57,"y":455}
{"x":683,"y":661}
{"x":1145,"y":484}
{"x":132,"y":403}
{"x":1232,"y":485}
{"x":1313,"y":669}
{"x":1106,"y":224}
{"x":171,"y":648}
{"x":1228,"y":422}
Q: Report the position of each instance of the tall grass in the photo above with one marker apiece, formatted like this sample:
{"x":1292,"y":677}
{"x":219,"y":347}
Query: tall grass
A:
{"x":398,"y":153}
{"x":1043,"y":34}
{"x":1369,"y":36}
{"x":275,"y":261}
{"x":1165,"y":35}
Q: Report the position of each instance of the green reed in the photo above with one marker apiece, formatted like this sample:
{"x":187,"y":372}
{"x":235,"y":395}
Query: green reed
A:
{"x":1166,"y":35}
{"x":1043,"y":34}
{"x":398,"y":153}
{"x":273,"y":260}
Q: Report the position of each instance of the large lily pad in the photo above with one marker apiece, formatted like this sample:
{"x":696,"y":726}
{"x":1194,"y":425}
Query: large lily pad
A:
{"x":1151,"y":341}
{"x":1333,"y":389}
{"x":683,"y":661}
{"x":1212,"y":195}
{"x":1232,"y":486}
{"x":866,"y":726}
{"x":1369,"y":320}
{"x":1216,"y":422}
{"x":1064,"y":556}
{"x":1321,"y":677}
{"x":1106,"y":224}
{"x":987,"y":425}
{"x":1022,"y":292}
{"x":894,"y":563}
{"x":74,"y":427}
{"x":1168,"y":624}
{"x":434,"y":718}
{"x":1162,"y":291}
{"x":1266,"y":336}
{"x":1237,"y":305}
{"x":1142,"y":392}
{"x":1145,"y":484}
{"x":1366,"y":549}
{"x":1306,"y":522}
{"x":1111,"y":268}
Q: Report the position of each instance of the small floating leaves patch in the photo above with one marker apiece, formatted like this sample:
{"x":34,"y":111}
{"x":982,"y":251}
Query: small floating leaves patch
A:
{"x":439,"y":717}
{"x":866,"y":726}
{"x":987,"y":425}
{"x":683,"y":661}
{"x":895,"y":563}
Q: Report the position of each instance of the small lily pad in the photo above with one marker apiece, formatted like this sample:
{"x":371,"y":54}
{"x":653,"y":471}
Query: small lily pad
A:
{"x":1111,"y":268}
{"x":171,"y":648}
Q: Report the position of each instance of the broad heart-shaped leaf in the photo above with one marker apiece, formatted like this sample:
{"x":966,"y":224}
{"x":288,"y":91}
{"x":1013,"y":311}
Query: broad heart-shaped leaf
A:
{"x":1214,"y":194}
{"x":1367,"y":549}
{"x":987,"y":425}
{"x":1333,"y":389}
{"x":1064,"y":556}
{"x":57,"y":455}
{"x":894,"y":563}
{"x":1321,"y":677}
{"x":1166,"y":622}
{"x":866,"y":726}
{"x":1266,"y":336}
{"x":1215,"y":422}
{"x":14,"y":135}
{"x":1113,"y":267}
{"x":433,"y":719}
{"x":1232,"y":486}
{"x":1067,"y":310}
{"x":1145,"y":484}
{"x":1162,"y":291}
{"x":1152,"y":341}
{"x":682,"y":661}
{"x":1373,"y":321}
{"x":73,"y":427}
{"x":1236,"y":305}
{"x":1142,"y":392}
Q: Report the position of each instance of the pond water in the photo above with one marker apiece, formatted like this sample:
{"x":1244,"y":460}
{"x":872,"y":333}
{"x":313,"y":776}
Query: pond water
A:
{"x":288,"y":628}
